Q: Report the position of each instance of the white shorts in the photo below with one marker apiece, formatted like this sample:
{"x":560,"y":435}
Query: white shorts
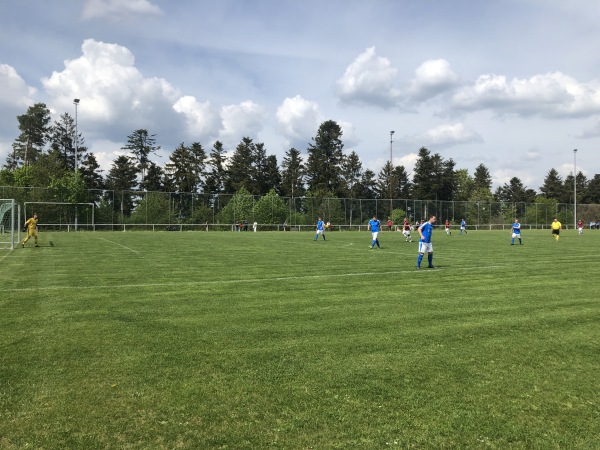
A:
{"x":320,"y":231}
{"x":374,"y":234}
{"x":447,"y":229}
{"x":516,"y":235}
{"x":406,"y":233}
{"x":425,"y":247}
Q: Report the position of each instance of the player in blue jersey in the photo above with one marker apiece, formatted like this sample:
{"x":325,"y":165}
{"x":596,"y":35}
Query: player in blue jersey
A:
{"x":463,"y":226}
{"x":516,"y":232}
{"x":320,"y":229}
{"x":425,"y":231}
{"x":374,"y":226}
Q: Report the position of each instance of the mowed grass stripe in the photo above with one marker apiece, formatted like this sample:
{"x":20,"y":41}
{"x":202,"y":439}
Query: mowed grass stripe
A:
{"x":271,"y":340}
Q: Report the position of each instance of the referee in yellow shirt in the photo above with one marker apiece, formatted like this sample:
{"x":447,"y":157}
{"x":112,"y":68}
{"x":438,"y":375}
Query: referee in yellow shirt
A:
{"x":556,"y":229}
{"x":31,"y":225}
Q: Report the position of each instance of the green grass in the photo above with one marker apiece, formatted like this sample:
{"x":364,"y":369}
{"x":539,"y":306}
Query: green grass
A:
{"x":270,"y":340}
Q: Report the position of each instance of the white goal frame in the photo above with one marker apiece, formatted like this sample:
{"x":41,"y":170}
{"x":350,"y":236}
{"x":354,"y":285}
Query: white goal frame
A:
{"x":8,"y":205}
{"x":74,"y":226}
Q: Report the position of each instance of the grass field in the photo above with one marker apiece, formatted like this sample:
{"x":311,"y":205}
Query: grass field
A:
{"x":166,"y":340}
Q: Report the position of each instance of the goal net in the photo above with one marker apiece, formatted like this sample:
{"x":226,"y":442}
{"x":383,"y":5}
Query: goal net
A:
{"x":8,"y":224}
{"x":61,"y":216}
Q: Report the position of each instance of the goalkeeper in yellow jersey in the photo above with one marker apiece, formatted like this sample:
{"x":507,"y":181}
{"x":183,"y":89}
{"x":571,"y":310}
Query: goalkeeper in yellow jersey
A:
{"x":31,"y":225}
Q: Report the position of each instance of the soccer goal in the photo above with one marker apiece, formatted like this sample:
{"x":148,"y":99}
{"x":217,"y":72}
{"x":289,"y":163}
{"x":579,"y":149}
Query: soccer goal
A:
{"x":9,"y":223}
{"x":62,"y":216}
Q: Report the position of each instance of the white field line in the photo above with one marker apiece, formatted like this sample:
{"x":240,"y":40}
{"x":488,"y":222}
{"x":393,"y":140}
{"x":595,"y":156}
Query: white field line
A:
{"x":120,"y":245}
{"x":248,"y":280}
{"x":7,"y":254}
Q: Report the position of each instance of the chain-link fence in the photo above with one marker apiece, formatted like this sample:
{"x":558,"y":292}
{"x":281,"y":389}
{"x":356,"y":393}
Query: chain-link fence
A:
{"x":230,"y":211}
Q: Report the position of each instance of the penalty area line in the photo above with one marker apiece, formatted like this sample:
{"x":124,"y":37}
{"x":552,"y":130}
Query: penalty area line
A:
{"x":206,"y":283}
{"x":239,"y":281}
{"x":10,"y":250}
{"x":120,"y":245}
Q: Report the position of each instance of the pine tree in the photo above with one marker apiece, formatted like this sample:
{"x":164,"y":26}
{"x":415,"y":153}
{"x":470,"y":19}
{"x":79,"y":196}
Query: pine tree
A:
{"x":553,"y":187}
{"x":273,"y":175}
{"x":216,"y":172}
{"x":240,"y":165}
{"x":141,"y":144}
{"x":292,"y":174}
{"x":186,"y":167}
{"x":352,"y":173}
{"x":89,"y":169}
{"x":323,"y":168}
{"x":30,"y":144}
{"x":122,"y":179}
{"x":64,"y":140}
{"x":482,"y":178}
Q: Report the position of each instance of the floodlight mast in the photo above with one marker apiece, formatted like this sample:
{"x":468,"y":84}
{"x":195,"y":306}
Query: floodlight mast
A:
{"x":391,"y":171}
{"x":575,"y":188}
{"x":76,"y":103}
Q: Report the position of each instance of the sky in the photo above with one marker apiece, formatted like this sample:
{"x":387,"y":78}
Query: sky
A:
{"x":511,"y":84}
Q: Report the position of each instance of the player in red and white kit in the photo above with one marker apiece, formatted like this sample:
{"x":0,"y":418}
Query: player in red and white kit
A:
{"x":580,"y":227}
{"x":447,"y":227}
{"x":406,"y":230}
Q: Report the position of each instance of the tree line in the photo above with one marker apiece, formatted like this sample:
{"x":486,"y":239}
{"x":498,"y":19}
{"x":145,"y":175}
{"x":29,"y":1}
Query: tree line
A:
{"x":46,"y":154}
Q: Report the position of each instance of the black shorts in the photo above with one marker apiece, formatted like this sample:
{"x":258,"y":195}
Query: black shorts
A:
{"x":556,"y":231}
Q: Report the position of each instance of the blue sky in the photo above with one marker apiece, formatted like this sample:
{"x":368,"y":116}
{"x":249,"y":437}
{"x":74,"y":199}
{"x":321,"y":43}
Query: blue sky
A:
{"x":512,"y":84}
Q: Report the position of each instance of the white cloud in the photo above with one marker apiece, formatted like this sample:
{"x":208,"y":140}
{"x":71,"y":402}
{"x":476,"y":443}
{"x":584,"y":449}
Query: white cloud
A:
{"x":547,"y":101}
{"x":369,"y":80}
{"x":445,"y":136}
{"x":550,"y":95}
{"x":431,"y":78}
{"x":566,"y":169}
{"x":298,"y":120}
{"x":406,"y":160}
{"x":349,"y":134}
{"x":591,"y":132}
{"x":503,"y":176}
{"x":14,"y":92}
{"x":15,"y":98}
{"x":106,"y":152}
{"x":242,"y":120}
{"x":201,"y":118}
{"x":118,"y":9}
{"x":532,"y":155}
{"x":114,"y":94}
